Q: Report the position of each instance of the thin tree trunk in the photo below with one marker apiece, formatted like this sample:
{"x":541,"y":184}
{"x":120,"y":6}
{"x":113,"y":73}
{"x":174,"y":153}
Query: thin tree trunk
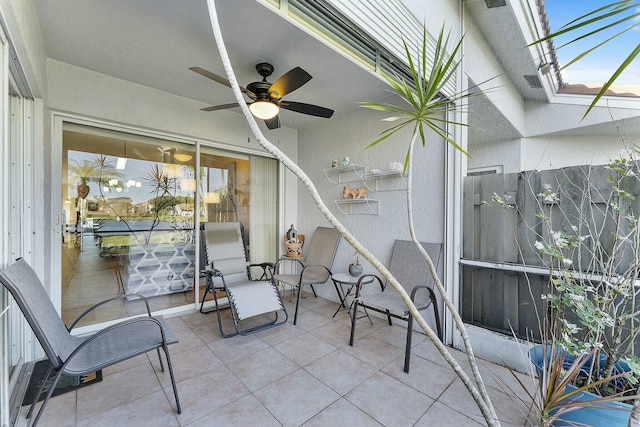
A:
{"x":441,"y":289}
{"x":481,"y":400}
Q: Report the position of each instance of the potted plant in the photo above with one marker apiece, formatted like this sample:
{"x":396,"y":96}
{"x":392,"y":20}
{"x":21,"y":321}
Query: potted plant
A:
{"x":355,"y":268}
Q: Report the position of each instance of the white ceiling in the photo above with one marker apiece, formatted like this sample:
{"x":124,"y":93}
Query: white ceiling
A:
{"x":154,"y":42}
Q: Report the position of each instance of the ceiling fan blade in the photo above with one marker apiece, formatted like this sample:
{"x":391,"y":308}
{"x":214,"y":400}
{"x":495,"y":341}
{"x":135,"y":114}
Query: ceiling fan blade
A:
{"x":220,"y":107}
{"x":216,"y":78}
{"x":289,"y":82}
{"x":273,"y":123}
{"x":312,"y":110}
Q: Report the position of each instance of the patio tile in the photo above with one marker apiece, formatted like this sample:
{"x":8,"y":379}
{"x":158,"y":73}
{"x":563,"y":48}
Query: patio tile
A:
{"x":60,"y":412}
{"x":230,"y":349}
{"x":115,"y":390}
{"x":397,"y":335}
{"x":188,"y":364}
{"x":274,"y":336}
{"x":509,"y":411}
{"x":424,"y":375}
{"x":389,"y":401}
{"x":439,"y":414}
{"x":195,"y":319}
{"x":296,"y":398}
{"x":427,"y":350}
{"x":256,"y":380}
{"x":374,"y":351}
{"x":247,"y":411}
{"x":205,"y":393}
{"x":151,"y":410}
{"x":342,"y":413}
{"x":208,"y":333}
{"x":340,"y":371}
{"x":188,"y":341}
{"x":335,"y":333}
{"x":304,"y":349}
{"x":261,"y":368}
{"x":310,"y":320}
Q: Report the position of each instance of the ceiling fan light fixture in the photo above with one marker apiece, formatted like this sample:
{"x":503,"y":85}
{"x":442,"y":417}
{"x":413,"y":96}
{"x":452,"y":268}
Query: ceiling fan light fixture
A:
{"x":264,"y":109}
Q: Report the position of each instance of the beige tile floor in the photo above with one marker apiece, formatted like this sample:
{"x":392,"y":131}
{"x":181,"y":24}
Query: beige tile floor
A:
{"x":305,"y":375}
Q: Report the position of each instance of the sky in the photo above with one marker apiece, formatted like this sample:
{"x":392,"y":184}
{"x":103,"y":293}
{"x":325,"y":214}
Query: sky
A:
{"x":598,"y":66}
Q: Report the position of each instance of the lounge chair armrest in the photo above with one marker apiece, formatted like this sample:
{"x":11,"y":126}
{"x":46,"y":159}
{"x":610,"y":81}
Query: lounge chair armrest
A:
{"x":117,"y":298}
{"x":361,"y":282}
{"x":431,"y":294}
{"x":268,"y":268}
{"x":213,"y":272}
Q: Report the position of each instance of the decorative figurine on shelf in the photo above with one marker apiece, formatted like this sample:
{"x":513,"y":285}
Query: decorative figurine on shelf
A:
{"x":355,"y":268}
{"x":346,"y":161}
{"x":354,"y":193}
{"x":334,"y":163}
{"x":292,"y":233}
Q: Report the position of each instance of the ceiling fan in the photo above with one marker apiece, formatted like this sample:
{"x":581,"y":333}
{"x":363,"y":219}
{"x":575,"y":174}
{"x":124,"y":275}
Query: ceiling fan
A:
{"x":267,"y":97}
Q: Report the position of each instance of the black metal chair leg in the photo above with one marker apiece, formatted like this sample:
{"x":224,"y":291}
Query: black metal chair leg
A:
{"x":407,"y":349}
{"x":37,"y":397}
{"x":47,"y":397}
{"x":295,"y":316}
{"x":173,"y":379}
{"x":354,"y":315}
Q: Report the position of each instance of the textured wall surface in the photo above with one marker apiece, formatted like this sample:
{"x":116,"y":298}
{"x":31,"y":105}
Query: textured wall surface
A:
{"x":347,"y":135}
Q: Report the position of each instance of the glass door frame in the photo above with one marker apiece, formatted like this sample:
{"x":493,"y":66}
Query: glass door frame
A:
{"x":58,"y":119}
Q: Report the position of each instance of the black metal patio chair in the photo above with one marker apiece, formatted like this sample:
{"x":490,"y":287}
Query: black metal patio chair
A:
{"x":79,"y":355}
{"x":411,"y":270}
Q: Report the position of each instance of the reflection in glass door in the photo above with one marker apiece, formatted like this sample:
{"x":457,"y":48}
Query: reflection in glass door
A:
{"x":130,"y":217}
{"x":128,"y":209}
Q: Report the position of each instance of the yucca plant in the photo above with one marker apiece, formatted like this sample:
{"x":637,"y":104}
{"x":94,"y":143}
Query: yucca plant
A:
{"x":427,"y":106}
{"x":552,"y":393}
{"x":621,"y":15}
{"x":443,"y":71}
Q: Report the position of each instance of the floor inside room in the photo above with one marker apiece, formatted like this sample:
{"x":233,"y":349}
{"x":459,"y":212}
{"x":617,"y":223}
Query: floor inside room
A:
{"x":88,"y":277}
{"x":288,"y":376}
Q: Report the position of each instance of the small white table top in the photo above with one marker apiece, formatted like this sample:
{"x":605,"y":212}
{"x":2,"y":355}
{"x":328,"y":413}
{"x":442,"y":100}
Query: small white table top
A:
{"x":348,"y":279}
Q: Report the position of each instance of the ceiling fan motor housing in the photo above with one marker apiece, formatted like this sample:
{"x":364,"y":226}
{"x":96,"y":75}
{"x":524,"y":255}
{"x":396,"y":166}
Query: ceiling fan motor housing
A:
{"x":260,"y":89}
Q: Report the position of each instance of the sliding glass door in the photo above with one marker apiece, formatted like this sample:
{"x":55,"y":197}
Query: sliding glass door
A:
{"x":129,"y":209}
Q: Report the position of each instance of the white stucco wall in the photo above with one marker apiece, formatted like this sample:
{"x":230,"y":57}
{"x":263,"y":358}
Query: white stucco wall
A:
{"x":500,"y":153}
{"x":347,"y":135}
{"x":554,"y":152}
{"x":94,"y":95}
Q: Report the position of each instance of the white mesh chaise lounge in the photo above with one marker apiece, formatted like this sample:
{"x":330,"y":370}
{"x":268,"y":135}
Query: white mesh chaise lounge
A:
{"x":255,"y":304}
{"x":72,"y":355}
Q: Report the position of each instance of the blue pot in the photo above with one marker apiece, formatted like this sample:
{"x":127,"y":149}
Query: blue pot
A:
{"x":609,"y":414}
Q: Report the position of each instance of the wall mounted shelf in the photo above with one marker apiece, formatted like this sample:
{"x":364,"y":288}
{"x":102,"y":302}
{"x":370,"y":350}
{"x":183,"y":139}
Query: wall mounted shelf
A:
{"x":341,"y":175}
{"x":371,"y":181}
{"x":345,"y":174}
{"x":358,"y":206}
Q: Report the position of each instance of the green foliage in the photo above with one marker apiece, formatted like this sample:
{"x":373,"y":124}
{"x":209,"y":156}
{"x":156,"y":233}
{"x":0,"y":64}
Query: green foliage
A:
{"x":624,"y":13}
{"x":425,"y":95}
